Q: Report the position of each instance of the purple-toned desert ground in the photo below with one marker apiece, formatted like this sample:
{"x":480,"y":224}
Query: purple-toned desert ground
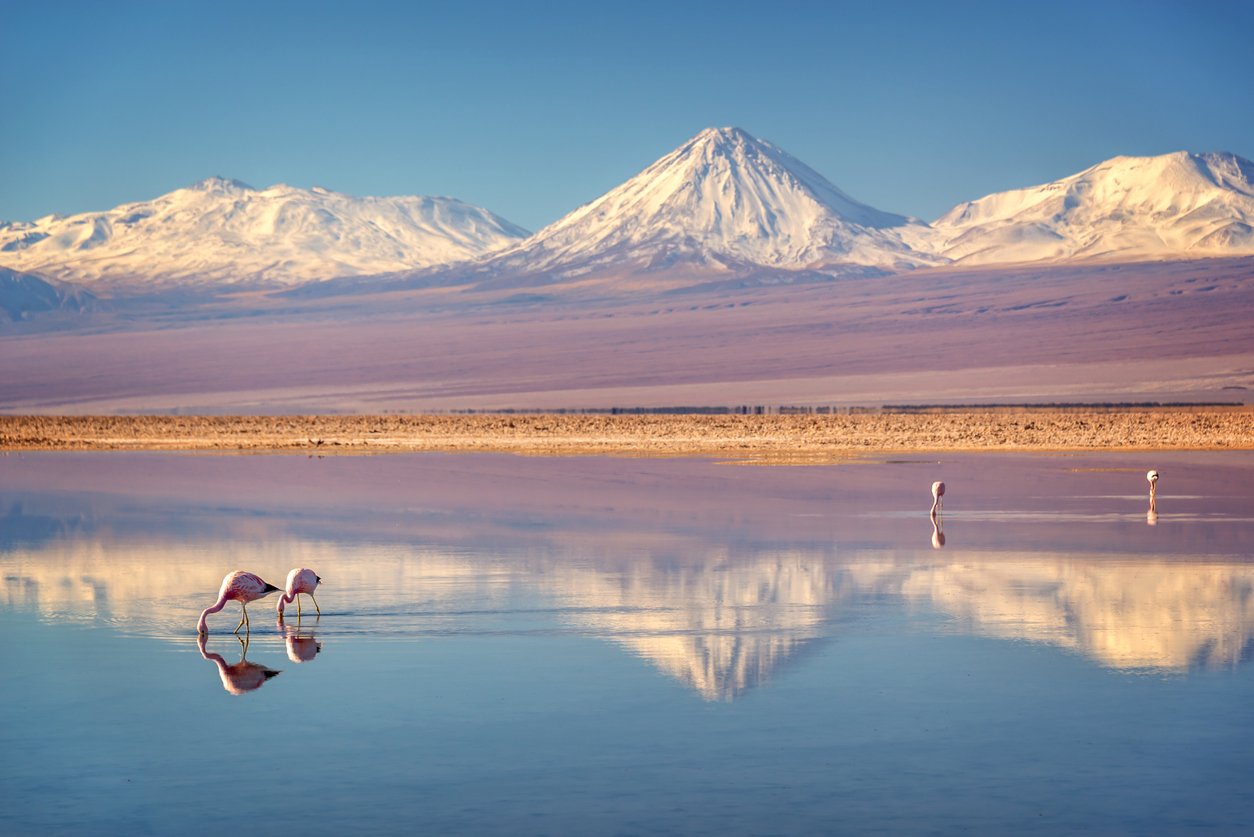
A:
{"x":1178,"y":331}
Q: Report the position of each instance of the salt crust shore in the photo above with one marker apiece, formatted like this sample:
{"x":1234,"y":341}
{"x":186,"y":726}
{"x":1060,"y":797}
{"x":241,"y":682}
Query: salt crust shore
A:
{"x":778,"y":439}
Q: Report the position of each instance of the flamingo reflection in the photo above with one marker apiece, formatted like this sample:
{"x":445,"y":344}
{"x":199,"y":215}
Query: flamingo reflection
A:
{"x":240,"y":677}
{"x":302,"y":646}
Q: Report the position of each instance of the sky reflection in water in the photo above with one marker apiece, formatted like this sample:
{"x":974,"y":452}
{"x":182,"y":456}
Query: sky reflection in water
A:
{"x":499,"y":603}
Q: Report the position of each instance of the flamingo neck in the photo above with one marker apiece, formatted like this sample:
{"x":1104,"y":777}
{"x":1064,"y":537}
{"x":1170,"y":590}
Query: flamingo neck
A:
{"x":201,"y":626}
{"x":284,"y":601}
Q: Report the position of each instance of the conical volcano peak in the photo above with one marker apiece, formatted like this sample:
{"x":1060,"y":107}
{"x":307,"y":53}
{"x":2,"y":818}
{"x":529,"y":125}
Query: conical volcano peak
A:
{"x":727,"y":132}
{"x":734,"y":145}
{"x":731,"y":143}
{"x":723,"y":201}
{"x":729,"y":162}
{"x":729,"y":135}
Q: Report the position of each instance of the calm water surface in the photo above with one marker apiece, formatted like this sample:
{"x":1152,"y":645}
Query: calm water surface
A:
{"x":623,"y":646}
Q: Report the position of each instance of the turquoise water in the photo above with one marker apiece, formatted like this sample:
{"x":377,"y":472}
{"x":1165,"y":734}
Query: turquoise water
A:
{"x":598,"y":646}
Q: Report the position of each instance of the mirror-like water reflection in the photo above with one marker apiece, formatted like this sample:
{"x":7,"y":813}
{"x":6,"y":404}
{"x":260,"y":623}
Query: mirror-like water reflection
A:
{"x":720,"y":619}
{"x":727,"y":581}
{"x":241,"y":676}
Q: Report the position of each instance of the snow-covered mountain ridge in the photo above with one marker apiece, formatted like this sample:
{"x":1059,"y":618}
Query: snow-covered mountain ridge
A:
{"x":1178,"y":205}
{"x":224,"y":232}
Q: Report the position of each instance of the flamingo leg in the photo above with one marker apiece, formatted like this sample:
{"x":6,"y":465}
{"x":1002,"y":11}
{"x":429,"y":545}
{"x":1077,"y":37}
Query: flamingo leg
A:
{"x":243,"y":620}
{"x":315,"y":601}
{"x":298,"y":607}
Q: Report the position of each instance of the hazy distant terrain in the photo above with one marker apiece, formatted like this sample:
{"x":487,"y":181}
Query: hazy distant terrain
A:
{"x":1145,"y":332}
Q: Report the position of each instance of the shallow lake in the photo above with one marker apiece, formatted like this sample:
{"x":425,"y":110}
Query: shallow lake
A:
{"x":513,"y":645}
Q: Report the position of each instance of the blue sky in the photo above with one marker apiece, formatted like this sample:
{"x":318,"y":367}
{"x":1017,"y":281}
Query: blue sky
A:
{"x":533,"y":109}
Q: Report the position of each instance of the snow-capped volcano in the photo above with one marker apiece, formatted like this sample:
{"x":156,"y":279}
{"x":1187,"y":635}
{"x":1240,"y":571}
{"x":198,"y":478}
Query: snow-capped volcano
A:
{"x":223,"y":231}
{"x":722,"y":199}
{"x":1178,"y":205}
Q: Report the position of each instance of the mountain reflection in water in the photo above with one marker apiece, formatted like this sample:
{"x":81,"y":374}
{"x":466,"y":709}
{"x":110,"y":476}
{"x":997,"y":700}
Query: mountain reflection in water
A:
{"x":721,"y":623}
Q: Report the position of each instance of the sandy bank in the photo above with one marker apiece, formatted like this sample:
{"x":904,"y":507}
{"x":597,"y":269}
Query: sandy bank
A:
{"x":769,"y":437}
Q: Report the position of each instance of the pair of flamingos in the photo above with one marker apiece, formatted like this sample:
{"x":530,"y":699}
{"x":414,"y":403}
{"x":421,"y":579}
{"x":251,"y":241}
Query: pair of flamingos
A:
{"x":245,"y":587}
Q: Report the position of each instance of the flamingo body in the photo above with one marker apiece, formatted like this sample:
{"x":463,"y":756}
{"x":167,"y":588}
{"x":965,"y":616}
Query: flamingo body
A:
{"x":938,"y":494}
{"x":1152,"y":476}
{"x":237,"y":586}
{"x":299,"y":580}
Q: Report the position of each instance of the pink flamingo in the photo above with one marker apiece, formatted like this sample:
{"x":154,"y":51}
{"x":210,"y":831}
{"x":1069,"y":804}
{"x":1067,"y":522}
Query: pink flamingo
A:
{"x":1152,"y":476}
{"x":242,"y":587}
{"x":240,"y":677}
{"x":299,"y":580}
{"x":938,"y":495}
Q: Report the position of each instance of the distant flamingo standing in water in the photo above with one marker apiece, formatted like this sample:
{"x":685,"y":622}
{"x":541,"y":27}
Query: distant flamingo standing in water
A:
{"x":299,"y":580}
{"x":938,"y":494}
{"x":1152,"y":476}
{"x":242,"y":587}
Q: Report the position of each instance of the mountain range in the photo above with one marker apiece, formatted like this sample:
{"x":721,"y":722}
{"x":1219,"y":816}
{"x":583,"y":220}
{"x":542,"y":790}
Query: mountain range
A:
{"x":724,"y":204}
{"x":223,"y":232}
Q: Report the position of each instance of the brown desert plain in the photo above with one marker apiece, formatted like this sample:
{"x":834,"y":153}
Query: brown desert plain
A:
{"x":367,"y":364}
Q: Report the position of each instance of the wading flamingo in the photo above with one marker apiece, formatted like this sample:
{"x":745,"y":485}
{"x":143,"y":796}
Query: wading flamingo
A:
{"x":1152,"y":476}
{"x":299,"y":580}
{"x":938,"y":494}
{"x":240,"y":677}
{"x":242,"y":587}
